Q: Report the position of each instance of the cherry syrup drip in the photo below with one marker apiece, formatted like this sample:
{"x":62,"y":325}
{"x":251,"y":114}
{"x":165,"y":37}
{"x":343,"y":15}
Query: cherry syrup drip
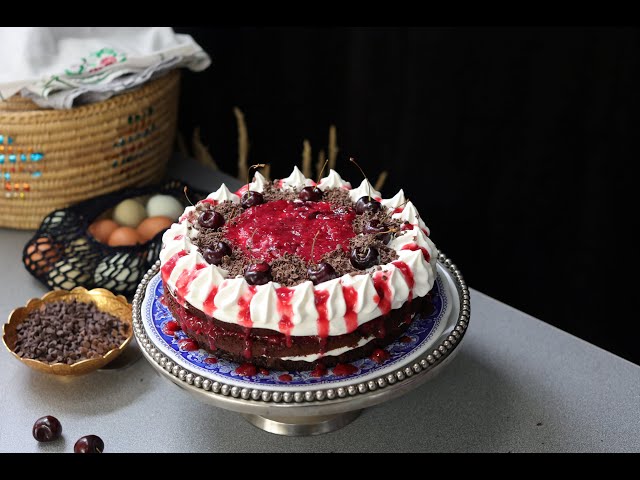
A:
{"x":405,"y":339}
{"x":187,"y":345}
{"x":350,"y":299}
{"x":344,"y":369}
{"x":184,"y":280}
{"x":264,"y":371}
{"x":380,"y":356}
{"x":415,"y":247}
{"x":321,"y":297}
{"x":211,"y":360}
{"x":285,"y":377}
{"x":170,"y":264}
{"x":209,"y":306}
{"x":170,"y":328}
{"x":247,"y":370}
{"x":384,"y":292}
{"x":244,"y":312}
{"x":319,"y":371}
{"x":407,"y":274}
{"x":285,"y":324}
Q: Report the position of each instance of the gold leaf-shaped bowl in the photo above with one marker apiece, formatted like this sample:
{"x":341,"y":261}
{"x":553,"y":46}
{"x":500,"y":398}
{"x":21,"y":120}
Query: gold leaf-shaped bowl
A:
{"x":102,"y":298}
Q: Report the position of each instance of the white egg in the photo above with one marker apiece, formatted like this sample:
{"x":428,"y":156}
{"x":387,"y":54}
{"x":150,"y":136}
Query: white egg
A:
{"x":129,"y":213}
{"x":164,"y":206}
{"x":118,"y":272}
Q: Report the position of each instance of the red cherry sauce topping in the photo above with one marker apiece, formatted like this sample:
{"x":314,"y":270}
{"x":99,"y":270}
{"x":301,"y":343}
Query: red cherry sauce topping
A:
{"x":350,"y":299}
{"x":405,"y":339}
{"x":170,"y":264}
{"x":275,"y":228}
{"x":319,"y":371}
{"x":247,"y":370}
{"x":384,"y":292}
{"x":321,"y":297}
{"x":211,"y":360}
{"x":380,"y":356}
{"x":187,"y":345}
{"x":170,"y":328}
{"x":407,"y":274}
{"x":285,"y":324}
{"x":264,"y":371}
{"x":285,"y":377}
{"x":344,"y":369}
{"x":414,"y":247}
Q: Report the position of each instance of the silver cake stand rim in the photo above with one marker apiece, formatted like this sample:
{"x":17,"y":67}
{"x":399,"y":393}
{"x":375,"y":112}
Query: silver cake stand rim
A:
{"x":316,"y":410}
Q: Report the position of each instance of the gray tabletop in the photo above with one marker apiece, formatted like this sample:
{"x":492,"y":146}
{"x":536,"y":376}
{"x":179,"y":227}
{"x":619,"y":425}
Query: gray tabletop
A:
{"x":517,"y":385}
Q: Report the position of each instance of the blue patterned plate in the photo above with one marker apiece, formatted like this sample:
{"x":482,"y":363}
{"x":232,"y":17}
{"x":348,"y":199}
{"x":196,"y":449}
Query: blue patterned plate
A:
{"x":423,"y":332}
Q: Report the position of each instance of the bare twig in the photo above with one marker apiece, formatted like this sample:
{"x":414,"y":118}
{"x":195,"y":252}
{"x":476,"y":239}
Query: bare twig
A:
{"x":381,"y":179}
{"x":333,"y":146}
{"x":200,"y":152}
{"x":243,"y":142}
{"x":306,"y":158}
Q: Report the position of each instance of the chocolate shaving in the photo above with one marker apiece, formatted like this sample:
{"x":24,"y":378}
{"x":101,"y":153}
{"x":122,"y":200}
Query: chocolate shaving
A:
{"x":236,"y":263}
{"x":228,"y":210}
{"x":289,"y":270}
{"x":337,"y":196}
{"x":339,"y":260}
{"x":271,"y":193}
{"x":208,"y":237}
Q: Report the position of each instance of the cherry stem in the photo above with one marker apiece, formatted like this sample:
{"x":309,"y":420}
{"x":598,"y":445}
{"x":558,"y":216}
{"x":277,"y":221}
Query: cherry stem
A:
{"x":404,"y":203}
{"x":313,"y":245}
{"x":257,"y":165}
{"x":362,"y":171}
{"x":187,"y":197}
{"x":251,"y":240}
{"x":323,"y":167}
{"x":391,"y":230}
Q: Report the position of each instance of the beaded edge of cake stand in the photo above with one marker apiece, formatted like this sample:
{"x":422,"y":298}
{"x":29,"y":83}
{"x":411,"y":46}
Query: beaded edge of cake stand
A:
{"x":427,"y":363}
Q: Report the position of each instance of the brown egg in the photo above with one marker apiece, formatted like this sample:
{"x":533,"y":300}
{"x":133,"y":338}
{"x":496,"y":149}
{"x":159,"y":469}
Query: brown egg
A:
{"x":42,"y":254}
{"x":122,"y":236}
{"x":102,"y":229}
{"x":152,"y":225}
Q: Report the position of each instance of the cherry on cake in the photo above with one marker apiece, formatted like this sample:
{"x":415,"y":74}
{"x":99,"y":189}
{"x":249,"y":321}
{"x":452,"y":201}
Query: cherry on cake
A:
{"x":297,"y":275}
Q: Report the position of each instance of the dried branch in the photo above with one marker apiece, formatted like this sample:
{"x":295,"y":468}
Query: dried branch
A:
{"x":306,"y":158}
{"x":243,"y":142}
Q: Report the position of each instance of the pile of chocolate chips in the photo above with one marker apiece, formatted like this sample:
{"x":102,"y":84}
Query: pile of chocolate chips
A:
{"x":68,"y":332}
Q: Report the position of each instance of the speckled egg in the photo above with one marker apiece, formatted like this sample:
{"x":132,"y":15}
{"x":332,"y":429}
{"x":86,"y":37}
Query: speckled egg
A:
{"x":119,"y":272}
{"x":164,"y":206}
{"x":129,"y":213}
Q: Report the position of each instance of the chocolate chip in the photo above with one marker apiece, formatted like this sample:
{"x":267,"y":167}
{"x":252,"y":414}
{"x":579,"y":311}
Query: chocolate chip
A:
{"x":67,"y":332}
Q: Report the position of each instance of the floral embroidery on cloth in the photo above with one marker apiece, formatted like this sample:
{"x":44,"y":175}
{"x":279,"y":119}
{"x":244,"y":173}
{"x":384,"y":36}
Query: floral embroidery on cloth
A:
{"x":96,"y":61}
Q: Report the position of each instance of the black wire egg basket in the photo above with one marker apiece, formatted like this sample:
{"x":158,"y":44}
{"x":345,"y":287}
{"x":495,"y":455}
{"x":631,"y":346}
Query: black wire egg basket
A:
{"x":62,"y":254}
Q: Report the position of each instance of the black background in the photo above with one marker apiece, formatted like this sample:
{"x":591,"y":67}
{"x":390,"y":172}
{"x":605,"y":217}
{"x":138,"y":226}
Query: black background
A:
{"x":516,"y":144}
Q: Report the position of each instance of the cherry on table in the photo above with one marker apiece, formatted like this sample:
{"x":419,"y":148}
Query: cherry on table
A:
{"x":362,"y":258}
{"x":251,"y":199}
{"x":367,"y":204}
{"x":323,"y":272}
{"x":216,"y":252}
{"x":46,"y":429}
{"x":258,"y":273}
{"x":89,"y":444}
{"x":211,"y":219}
{"x":310,"y":194}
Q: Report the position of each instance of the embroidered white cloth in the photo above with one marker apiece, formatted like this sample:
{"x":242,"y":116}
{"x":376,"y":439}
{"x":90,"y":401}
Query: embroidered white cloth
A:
{"x":60,"y":67}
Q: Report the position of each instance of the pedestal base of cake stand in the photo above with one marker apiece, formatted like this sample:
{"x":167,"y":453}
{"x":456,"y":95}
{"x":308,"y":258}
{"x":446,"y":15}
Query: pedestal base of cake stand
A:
{"x":302,"y":426}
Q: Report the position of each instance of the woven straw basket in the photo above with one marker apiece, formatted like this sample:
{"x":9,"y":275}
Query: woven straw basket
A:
{"x":50,"y":159}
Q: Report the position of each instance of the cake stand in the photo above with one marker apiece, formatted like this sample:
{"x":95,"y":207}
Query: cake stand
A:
{"x":295,"y":403}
